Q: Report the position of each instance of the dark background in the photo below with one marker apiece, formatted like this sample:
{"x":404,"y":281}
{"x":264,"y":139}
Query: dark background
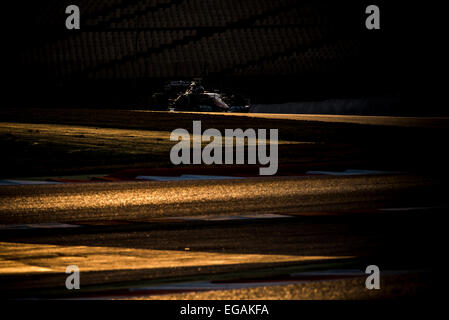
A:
{"x":126,"y":50}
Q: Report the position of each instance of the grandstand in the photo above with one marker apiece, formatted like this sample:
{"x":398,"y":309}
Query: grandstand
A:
{"x":136,"y":45}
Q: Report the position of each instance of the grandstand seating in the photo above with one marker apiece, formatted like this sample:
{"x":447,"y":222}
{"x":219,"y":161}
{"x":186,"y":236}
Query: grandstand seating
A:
{"x":187,"y":38}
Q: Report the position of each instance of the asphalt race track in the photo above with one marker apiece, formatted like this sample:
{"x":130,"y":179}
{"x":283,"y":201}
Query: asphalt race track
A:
{"x":307,"y":233}
{"x":289,"y":235}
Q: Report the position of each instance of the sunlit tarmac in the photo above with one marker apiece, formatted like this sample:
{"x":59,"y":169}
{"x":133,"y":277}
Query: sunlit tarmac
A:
{"x":143,"y":200}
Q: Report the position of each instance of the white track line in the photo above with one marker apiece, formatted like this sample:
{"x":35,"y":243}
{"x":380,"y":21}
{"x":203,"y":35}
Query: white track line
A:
{"x":351,"y":172}
{"x":410,"y":209}
{"x":37,"y":226}
{"x":24,"y":182}
{"x":185,"y":177}
{"x":228,"y":218}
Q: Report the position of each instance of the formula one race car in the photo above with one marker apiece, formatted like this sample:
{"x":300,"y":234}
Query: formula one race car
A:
{"x":191,"y":96}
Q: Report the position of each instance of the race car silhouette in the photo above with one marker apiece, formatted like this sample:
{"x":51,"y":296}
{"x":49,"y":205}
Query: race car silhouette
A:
{"x":191,"y":96}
